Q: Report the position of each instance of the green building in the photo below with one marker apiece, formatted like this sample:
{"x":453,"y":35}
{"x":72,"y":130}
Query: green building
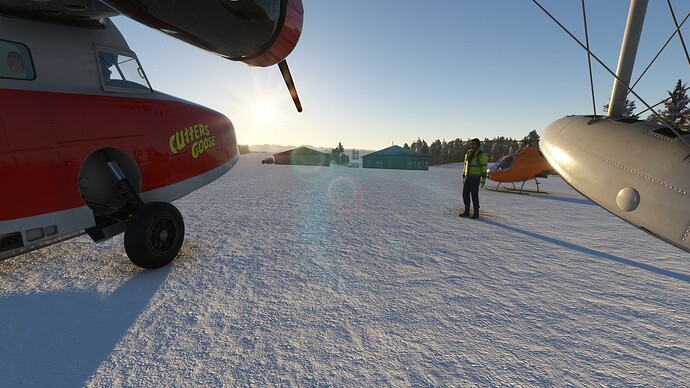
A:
{"x":303,"y":156}
{"x":396,"y":157}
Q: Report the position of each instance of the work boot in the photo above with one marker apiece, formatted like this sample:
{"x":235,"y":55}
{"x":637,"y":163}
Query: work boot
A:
{"x":475,"y":214}
{"x":466,"y":213}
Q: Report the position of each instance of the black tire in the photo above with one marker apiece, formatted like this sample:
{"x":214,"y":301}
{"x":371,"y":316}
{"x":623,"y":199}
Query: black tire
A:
{"x":154,"y":235}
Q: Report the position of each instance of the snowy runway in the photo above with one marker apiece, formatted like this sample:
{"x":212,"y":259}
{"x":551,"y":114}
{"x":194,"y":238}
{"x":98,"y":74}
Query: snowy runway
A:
{"x":305,"y":276}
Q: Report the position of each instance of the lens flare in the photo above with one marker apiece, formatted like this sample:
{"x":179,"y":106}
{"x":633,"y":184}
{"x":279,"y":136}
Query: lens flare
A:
{"x":345,"y":194}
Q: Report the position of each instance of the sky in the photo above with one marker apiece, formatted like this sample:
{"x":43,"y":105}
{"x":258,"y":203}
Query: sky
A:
{"x":375,"y":73}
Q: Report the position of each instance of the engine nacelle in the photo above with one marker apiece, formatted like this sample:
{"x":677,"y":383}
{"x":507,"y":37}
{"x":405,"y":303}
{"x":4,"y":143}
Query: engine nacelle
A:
{"x":257,"y":32}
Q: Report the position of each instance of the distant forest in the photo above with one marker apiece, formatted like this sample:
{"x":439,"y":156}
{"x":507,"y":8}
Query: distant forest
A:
{"x":442,"y":152}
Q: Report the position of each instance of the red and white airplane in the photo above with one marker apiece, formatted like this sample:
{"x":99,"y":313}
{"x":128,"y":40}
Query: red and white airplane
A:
{"x":88,"y":146}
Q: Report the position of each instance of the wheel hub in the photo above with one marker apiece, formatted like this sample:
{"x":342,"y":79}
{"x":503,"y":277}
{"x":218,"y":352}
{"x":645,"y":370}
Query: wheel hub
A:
{"x":162,"y":235}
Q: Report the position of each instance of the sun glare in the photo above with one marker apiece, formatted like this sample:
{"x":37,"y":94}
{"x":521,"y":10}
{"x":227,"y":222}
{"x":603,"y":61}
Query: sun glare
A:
{"x":263,"y":109}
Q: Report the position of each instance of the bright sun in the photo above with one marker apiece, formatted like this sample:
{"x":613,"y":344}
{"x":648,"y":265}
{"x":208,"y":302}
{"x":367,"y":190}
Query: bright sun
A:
{"x":263,"y":109}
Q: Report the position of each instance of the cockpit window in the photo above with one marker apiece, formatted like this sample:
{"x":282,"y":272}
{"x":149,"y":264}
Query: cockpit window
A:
{"x":503,"y":164}
{"x":15,"y":61}
{"x":121,"y":71}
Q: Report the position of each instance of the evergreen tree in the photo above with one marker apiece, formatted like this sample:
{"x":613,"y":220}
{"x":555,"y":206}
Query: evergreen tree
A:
{"x":629,"y":109}
{"x":677,"y":109}
{"x":406,"y":146}
{"x":458,"y":151}
{"x":344,"y":159}
{"x":444,"y":152}
{"x":498,"y":147}
{"x":418,"y":145}
{"x":424,"y":148}
{"x":435,"y":152}
{"x":451,"y":154}
{"x":336,"y":154}
{"x":532,"y":139}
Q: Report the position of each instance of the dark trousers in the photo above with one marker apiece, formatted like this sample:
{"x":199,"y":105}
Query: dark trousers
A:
{"x":471,"y":186}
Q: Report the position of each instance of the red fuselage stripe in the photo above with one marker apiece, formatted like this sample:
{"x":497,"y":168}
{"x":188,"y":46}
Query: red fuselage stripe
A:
{"x":45,"y":138}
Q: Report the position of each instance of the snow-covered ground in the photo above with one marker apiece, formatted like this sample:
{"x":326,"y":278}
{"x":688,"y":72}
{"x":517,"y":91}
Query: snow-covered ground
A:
{"x":313,"y":276}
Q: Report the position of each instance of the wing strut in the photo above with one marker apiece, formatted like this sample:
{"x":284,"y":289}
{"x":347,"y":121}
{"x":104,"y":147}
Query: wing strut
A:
{"x":680,"y":36}
{"x":626,"y":60}
{"x":589,"y":60}
{"x":285,"y":71}
{"x":635,"y":20}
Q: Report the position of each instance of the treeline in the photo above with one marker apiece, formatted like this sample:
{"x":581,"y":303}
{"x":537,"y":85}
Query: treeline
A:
{"x":442,"y":151}
{"x":338,"y":155}
{"x":675,"y":111}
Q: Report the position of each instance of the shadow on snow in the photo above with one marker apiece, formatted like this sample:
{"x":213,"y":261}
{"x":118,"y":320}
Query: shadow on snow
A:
{"x":604,"y":255}
{"x":60,"y":339}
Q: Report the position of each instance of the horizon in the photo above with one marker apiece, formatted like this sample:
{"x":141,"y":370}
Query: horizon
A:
{"x":484,"y":141}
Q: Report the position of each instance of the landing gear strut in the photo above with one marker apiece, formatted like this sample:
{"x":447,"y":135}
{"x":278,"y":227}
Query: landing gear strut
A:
{"x":155,"y":231}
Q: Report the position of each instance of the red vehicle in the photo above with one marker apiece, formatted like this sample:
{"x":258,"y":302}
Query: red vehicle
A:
{"x":88,"y":146}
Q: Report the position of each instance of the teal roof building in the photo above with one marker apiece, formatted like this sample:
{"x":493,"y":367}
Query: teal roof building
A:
{"x":396,"y":157}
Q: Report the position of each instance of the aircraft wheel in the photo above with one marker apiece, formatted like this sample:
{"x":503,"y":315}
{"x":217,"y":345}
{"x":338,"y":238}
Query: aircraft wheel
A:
{"x":154,"y":235}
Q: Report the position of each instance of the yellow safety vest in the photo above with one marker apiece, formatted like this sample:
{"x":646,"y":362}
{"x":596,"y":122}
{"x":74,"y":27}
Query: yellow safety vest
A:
{"x":475,"y":164}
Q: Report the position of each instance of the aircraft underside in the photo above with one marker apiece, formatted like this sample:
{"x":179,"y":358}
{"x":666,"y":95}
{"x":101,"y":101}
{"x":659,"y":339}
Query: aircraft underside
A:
{"x":637,"y":170}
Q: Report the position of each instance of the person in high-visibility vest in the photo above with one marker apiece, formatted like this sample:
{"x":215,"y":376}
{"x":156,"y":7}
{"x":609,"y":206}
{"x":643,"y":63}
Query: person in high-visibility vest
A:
{"x":473,"y":176}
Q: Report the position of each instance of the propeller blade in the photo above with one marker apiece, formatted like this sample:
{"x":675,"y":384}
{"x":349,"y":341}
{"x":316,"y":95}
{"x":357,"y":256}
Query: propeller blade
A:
{"x":285,"y":71}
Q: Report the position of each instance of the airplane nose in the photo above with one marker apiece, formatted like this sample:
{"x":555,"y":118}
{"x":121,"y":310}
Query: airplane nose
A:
{"x":557,"y":152}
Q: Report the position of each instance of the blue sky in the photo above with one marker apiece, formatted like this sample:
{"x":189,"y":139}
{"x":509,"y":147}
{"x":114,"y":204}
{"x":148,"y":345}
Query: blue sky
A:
{"x":371,"y":73}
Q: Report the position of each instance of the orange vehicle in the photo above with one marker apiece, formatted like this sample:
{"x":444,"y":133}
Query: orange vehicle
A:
{"x":524,"y":165}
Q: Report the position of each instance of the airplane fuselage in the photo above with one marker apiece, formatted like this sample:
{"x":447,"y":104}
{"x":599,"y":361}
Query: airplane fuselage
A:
{"x":637,"y":170}
{"x":61,"y":110}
